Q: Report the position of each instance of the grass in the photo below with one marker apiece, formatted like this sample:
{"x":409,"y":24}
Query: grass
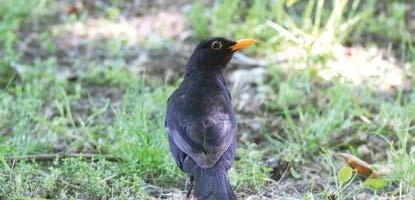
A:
{"x":140,"y":136}
{"x":61,"y":99}
{"x":250,"y":170}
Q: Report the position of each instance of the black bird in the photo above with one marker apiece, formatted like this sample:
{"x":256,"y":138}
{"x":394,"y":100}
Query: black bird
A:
{"x":200,"y":119}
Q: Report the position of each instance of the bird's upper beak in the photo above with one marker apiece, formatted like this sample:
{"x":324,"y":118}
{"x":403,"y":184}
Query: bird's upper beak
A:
{"x":240,"y":44}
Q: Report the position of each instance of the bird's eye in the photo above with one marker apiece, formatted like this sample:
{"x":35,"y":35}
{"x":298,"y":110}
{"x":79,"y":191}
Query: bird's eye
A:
{"x":216,"y":45}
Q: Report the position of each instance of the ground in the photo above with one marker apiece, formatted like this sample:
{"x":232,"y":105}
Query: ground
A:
{"x":84,"y":86}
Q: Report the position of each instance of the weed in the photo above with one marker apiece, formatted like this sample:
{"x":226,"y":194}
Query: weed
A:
{"x":249,"y":171}
{"x":141,"y":137}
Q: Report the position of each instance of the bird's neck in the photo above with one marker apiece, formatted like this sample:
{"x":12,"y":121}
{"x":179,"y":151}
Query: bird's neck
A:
{"x":204,"y":75}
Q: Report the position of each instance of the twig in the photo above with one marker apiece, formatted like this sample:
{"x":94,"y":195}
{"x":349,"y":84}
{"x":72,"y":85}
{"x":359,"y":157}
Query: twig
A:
{"x":52,"y":157}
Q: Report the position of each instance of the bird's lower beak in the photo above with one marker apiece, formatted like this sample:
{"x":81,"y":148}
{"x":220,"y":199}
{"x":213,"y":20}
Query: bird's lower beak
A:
{"x":240,"y":44}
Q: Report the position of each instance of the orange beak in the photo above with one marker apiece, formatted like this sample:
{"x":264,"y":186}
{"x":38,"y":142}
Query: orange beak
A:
{"x":240,"y":44}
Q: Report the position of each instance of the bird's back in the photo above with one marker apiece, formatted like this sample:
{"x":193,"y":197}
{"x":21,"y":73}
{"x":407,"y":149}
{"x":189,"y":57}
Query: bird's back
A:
{"x":200,"y":118}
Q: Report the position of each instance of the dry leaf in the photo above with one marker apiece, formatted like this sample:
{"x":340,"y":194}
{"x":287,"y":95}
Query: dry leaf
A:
{"x":357,"y":164}
{"x":380,"y":172}
{"x":73,"y":9}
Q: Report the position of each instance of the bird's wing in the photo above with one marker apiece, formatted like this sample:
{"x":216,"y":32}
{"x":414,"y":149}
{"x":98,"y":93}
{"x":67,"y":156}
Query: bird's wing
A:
{"x":204,"y":141}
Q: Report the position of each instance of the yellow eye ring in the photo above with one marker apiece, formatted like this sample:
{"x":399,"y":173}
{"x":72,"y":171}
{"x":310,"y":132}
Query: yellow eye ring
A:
{"x":216,"y":45}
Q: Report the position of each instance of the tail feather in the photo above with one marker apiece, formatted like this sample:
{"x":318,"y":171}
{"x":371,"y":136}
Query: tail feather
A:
{"x":212,"y":184}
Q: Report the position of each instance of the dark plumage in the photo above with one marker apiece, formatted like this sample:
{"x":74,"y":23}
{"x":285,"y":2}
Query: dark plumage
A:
{"x":201,"y":122}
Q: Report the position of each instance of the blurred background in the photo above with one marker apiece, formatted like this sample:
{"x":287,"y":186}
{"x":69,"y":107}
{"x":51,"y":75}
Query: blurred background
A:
{"x":325,"y":101}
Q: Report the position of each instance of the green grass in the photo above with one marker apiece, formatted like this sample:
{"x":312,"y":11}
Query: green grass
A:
{"x":250,"y":170}
{"x":71,"y":178}
{"x":319,"y":118}
{"x":140,"y":136}
{"x":105,"y":107}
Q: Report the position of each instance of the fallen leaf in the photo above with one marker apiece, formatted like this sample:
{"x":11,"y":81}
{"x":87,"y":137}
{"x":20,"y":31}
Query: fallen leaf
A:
{"x":357,"y":164}
{"x":75,"y":9}
{"x":380,"y":172}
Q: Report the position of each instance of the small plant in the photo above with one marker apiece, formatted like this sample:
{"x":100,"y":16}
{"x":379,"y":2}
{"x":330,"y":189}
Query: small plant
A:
{"x":343,"y":177}
{"x":249,"y":171}
{"x":141,"y":137}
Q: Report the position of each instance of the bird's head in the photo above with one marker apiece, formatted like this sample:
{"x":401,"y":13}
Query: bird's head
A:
{"x":215,"y":53}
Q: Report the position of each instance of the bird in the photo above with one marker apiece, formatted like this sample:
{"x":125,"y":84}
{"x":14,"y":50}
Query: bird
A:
{"x":200,"y":120}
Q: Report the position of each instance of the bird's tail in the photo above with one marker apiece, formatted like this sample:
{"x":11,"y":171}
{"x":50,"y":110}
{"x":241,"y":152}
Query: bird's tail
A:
{"x":212,"y":184}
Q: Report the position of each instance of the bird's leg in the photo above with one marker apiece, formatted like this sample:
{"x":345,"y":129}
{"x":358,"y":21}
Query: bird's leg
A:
{"x":190,"y":188}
